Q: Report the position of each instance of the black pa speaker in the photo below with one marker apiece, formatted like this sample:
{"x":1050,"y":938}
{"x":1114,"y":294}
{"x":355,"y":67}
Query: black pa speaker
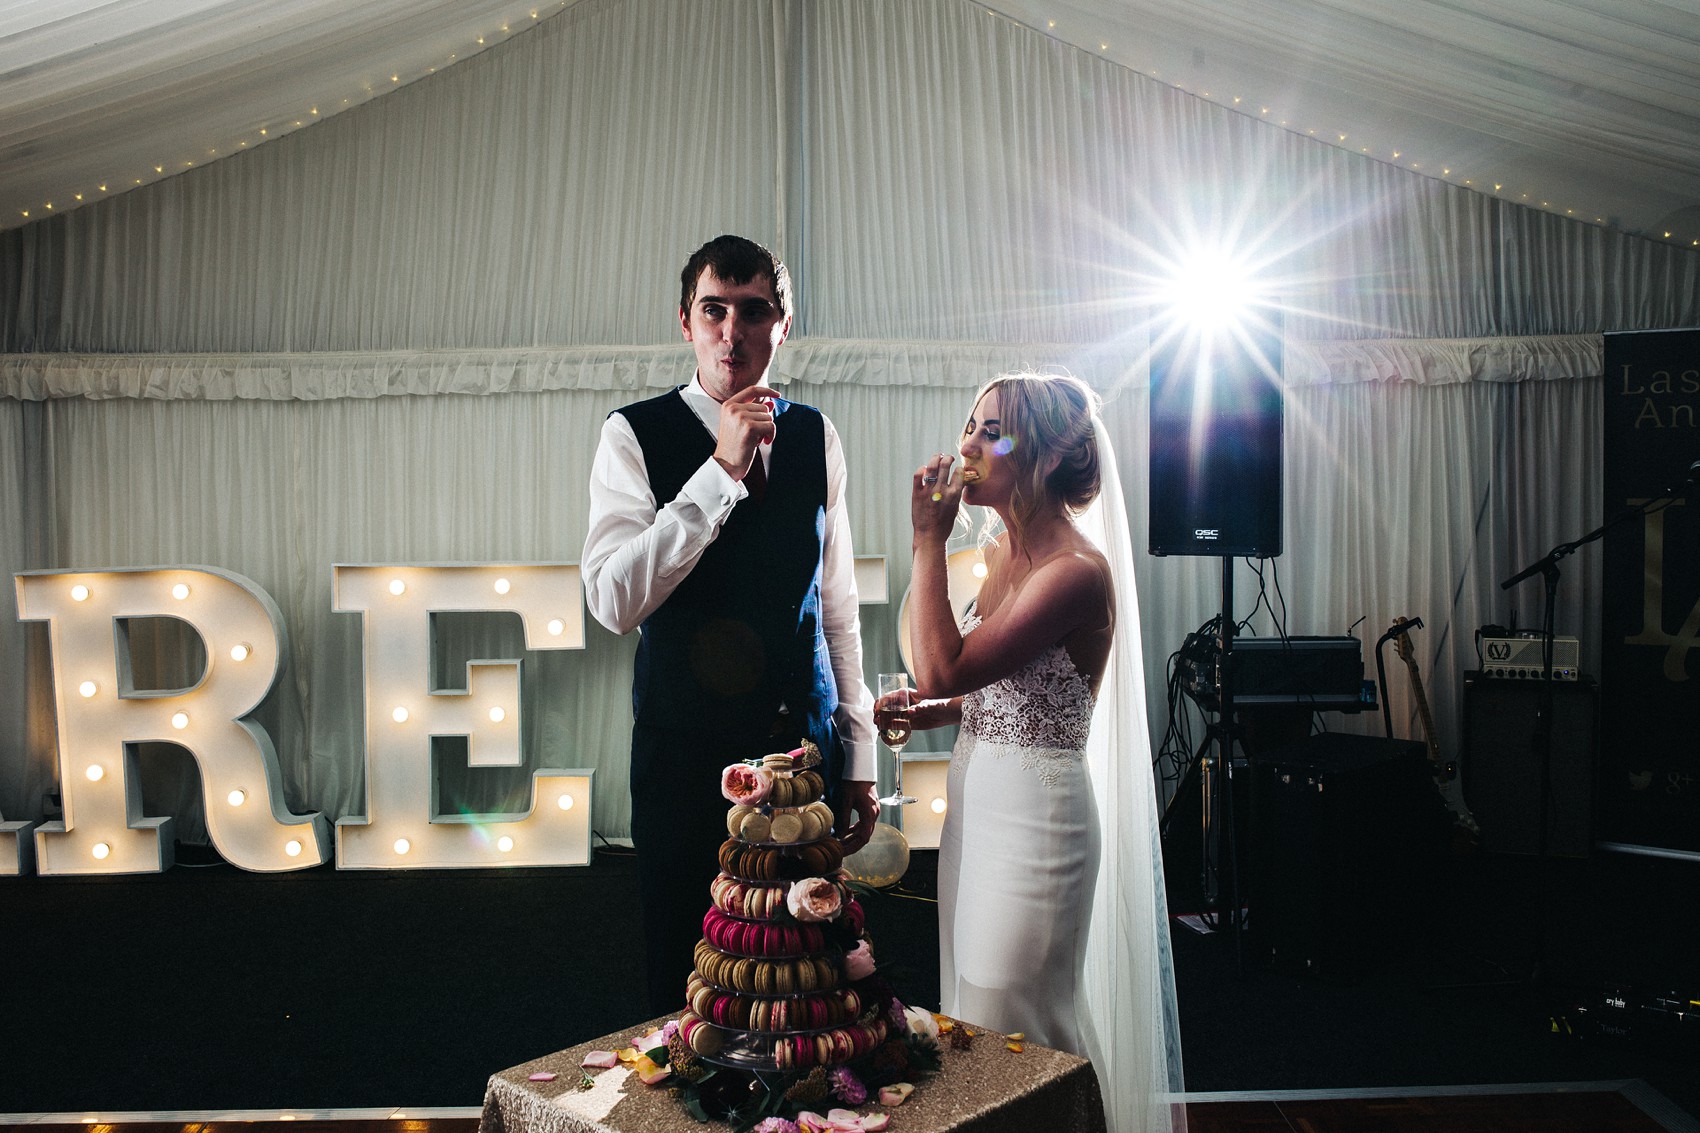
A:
{"x":1502,"y":771}
{"x":1216,"y":445}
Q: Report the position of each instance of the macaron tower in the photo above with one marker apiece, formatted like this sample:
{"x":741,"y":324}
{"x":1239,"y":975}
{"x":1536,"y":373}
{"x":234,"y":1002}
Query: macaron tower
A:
{"x":782,"y":944}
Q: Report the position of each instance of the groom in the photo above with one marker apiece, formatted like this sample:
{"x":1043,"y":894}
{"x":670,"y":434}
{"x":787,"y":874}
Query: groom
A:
{"x":718,"y":528}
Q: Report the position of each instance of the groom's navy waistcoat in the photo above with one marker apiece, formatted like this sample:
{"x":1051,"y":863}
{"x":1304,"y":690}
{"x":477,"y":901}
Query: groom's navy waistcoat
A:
{"x":742,"y":634}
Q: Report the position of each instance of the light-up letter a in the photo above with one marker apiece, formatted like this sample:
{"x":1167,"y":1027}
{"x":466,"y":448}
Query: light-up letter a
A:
{"x":402,"y":828}
{"x":101,"y":717}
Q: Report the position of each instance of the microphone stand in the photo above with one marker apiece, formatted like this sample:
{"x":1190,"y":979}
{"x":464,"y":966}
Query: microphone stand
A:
{"x":1547,"y":568}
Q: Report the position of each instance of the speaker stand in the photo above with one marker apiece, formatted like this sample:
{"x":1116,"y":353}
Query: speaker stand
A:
{"x":1220,"y":841}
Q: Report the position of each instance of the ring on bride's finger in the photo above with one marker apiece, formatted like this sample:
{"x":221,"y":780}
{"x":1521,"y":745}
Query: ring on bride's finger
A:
{"x":929,"y":479}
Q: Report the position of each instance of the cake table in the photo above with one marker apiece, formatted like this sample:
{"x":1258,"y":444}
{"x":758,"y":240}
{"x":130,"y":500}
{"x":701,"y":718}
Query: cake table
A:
{"x":984,"y":1089}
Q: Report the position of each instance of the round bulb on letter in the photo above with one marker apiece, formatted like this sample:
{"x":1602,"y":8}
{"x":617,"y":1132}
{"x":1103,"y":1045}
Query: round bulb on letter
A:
{"x":503,"y":586}
{"x":88,"y":688}
{"x":180,"y":720}
{"x":399,"y":715}
{"x":504,"y":843}
{"x":292,"y":848}
{"x":402,"y":845}
{"x":236,"y":798}
{"x":565,"y":802}
{"x":557,"y":627}
{"x":240,"y":651}
{"x":180,"y":591}
{"x":95,"y":773}
{"x":79,"y":593}
{"x":102,"y":850}
{"x":397,"y":587}
{"x":938,"y":806}
{"x":498,"y":714}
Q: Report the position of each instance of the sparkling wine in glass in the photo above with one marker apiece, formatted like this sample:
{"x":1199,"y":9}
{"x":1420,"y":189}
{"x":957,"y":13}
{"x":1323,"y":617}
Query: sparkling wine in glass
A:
{"x":894,"y":726}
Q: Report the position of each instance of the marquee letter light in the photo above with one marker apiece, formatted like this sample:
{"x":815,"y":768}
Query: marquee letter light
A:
{"x":17,"y":848}
{"x":101,"y":716}
{"x":402,"y":828}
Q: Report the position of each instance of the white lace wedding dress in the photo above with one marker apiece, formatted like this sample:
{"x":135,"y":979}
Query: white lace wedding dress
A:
{"x":1052,"y":824}
{"x":1018,"y":856}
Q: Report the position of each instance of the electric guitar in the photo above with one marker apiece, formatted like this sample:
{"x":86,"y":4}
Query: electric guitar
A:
{"x":1466,"y":834}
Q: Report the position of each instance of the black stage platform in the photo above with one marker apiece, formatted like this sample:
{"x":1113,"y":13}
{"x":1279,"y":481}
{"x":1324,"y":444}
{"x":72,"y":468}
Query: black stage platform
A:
{"x":207,"y":988}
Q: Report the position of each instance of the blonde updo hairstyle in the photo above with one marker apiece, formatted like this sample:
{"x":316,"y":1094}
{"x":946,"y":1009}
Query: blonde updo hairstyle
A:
{"x":1046,"y":416}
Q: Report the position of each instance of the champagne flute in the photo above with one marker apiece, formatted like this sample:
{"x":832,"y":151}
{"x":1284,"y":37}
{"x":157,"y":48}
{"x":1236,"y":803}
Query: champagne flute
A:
{"x":894,"y":727}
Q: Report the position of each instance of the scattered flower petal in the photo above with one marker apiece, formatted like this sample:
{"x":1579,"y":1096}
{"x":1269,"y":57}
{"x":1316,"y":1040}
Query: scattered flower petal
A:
{"x":1016,"y":1047}
{"x":896,"y":1094}
{"x":875,"y":1122}
{"x":1016,"y":1035}
{"x":649,"y":1073}
{"x":601,"y":1058}
{"x":542,"y":1076}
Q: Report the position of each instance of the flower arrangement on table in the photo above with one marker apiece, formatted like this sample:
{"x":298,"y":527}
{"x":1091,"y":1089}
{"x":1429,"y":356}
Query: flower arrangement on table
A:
{"x":820,"y":1100}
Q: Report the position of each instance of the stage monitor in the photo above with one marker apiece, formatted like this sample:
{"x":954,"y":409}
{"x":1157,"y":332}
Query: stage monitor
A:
{"x":1216,"y":446}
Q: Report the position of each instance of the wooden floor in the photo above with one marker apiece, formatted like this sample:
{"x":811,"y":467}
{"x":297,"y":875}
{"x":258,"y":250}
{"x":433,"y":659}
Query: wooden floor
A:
{"x":1591,"y":1108}
{"x":1496,"y":1113}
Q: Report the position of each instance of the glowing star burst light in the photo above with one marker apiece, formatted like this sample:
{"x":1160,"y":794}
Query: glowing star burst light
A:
{"x":1210,"y":292}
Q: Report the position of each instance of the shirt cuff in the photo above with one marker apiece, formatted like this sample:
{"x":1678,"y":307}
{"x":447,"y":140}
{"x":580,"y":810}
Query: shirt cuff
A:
{"x":712,"y":489}
{"x":861,"y":761}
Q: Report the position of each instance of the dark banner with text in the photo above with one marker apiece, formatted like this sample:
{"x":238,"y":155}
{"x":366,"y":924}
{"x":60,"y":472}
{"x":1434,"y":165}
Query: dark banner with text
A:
{"x":1649,"y":664}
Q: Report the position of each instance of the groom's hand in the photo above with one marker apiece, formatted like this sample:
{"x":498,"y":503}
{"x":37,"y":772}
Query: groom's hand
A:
{"x":857,"y":796}
{"x":746,"y":422}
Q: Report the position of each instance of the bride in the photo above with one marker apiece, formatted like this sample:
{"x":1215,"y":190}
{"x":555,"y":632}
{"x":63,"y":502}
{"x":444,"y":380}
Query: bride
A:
{"x":1040,"y":832}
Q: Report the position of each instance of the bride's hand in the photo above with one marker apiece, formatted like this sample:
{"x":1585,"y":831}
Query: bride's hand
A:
{"x":923,"y":714}
{"x":935,"y":497}
{"x":901,"y":699}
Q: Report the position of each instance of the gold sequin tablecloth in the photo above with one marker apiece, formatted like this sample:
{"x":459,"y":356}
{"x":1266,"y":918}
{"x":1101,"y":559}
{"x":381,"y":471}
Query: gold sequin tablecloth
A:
{"x":985,"y":1089}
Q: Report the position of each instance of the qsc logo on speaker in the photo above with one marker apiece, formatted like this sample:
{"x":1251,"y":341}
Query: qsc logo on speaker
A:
{"x":1206,"y":533}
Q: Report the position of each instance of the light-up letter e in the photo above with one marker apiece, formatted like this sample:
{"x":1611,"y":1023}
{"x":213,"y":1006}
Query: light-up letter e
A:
{"x":402,"y":829}
{"x":102,"y":716}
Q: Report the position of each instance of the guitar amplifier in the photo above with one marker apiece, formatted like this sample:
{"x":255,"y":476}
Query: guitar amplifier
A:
{"x":1505,"y":778}
{"x":1520,"y":658}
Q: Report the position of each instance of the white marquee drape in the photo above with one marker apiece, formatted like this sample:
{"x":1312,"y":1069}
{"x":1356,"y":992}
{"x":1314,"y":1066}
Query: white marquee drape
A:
{"x":1404,"y":497}
{"x":956,"y":195}
{"x":392,"y":336}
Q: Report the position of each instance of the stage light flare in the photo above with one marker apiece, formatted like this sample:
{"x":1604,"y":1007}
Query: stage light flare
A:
{"x":1211,"y":291}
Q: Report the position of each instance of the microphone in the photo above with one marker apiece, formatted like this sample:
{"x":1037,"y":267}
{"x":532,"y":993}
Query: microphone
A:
{"x":1692,"y":476}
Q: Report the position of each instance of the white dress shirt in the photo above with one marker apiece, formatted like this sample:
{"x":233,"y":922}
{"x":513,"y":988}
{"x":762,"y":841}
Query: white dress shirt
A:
{"x":635,"y":556}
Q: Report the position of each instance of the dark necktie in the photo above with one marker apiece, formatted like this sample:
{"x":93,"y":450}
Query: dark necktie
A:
{"x":755,"y":481}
